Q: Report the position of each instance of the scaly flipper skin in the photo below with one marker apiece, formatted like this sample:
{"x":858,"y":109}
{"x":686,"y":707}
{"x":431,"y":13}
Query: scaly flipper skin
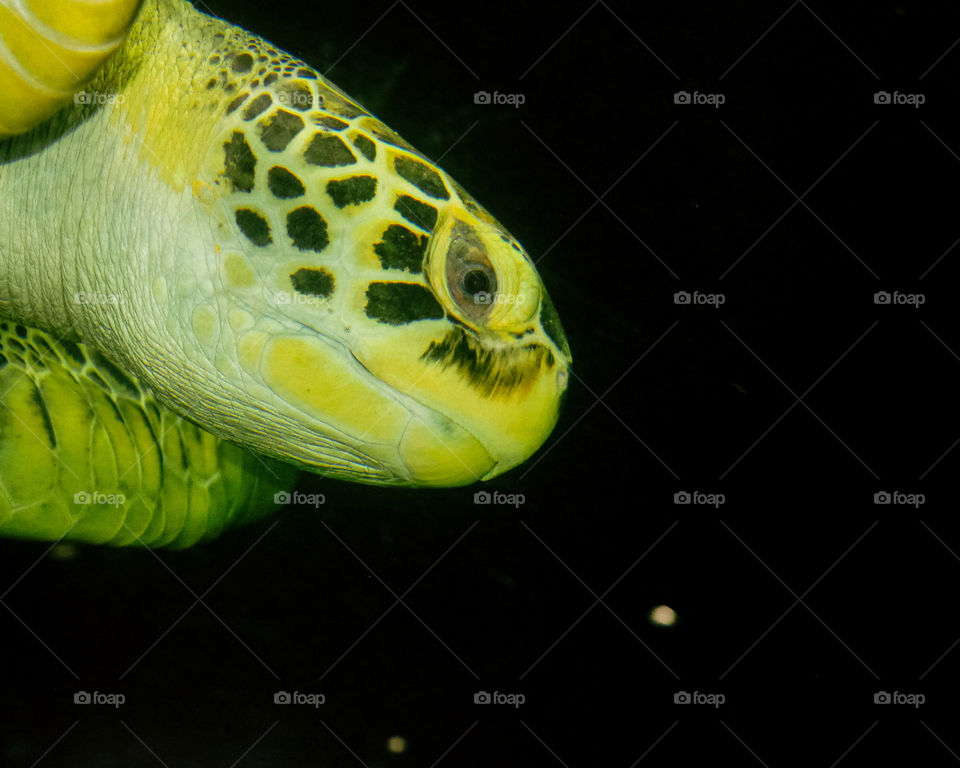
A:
{"x":88,"y":455}
{"x":274,"y":263}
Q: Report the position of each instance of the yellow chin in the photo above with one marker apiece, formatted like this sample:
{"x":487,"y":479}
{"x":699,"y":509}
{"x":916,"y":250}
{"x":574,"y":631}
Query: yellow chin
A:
{"x":509,"y":423}
{"x":443,"y":454}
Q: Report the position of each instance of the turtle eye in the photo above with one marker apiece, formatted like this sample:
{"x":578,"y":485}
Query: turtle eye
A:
{"x":476,"y":281}
{"x":471,"y":279}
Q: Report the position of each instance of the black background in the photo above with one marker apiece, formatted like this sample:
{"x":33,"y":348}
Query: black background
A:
{"x":798,"y":399}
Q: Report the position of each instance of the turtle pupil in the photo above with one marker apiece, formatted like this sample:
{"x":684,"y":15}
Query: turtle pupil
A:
{"x":476,"y":281}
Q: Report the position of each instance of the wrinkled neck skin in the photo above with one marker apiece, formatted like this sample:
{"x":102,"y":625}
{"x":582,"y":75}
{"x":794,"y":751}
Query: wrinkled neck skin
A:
{"x":85,"y":209}
{"x":101,"y":232}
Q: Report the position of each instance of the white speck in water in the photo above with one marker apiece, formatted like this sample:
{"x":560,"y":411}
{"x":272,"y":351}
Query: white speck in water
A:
{"x":663,"y":616}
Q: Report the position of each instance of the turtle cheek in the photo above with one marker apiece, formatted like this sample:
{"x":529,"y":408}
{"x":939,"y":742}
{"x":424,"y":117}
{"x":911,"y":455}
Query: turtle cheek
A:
{"x":323,"y":382}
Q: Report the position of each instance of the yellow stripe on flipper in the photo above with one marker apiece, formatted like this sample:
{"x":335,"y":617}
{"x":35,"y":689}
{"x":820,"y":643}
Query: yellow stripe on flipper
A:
{"x":93,"y":22}
{"x":49,"y":49}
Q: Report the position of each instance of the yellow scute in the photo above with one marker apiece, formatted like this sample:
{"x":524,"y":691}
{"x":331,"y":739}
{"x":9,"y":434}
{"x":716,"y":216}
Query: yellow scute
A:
{"x":238,"y":271}
{"x":205,"y":326}
{"x":312,"y":377}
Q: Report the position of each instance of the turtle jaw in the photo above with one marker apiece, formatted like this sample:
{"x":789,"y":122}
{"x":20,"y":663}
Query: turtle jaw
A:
{"x":370,"y":420}
{"x":438,"y":452}
{"x":479,"y":410}
{"x":513,"y":433}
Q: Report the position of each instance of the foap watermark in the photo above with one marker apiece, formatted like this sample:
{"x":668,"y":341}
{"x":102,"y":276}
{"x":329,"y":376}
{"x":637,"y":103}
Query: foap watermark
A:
{"x":298,"y":697}
{"x":698,"y":498}
{"x":709,"y":99}
{"x":84,"y":297}
{"x":699,"y":299}
{"x":304,"y":499}
{"x":98,"y":698}
{"x":485,"y":97}
{"x":899,"y":499}
{"x":509,"y":699}
{"x":915,"y":300}
{"x":484,"y":297}
{"x":97,"y":97}
{"x":898,"y":697}
{"x":496,"y":497}
{"x":715,"y":700}
{"x":286,"y":298}
{"x":96,"y":497}
{"x":906,"y":99}
{"x":300,"y":99}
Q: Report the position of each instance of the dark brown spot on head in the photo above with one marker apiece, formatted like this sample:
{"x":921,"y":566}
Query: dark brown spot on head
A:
{"x":352,"y":191}
{"x":239,"y":164}
{"x":254,"y":226}
{"x":418,"y":212}
{"x":284,"y":184}
{"x":401,"y":303}
{"x":328,"y":150}
{"x":236,"y":102}
{"x":313,"y":282}
{"x":277,"y":130}
{"x":422,"y":176}
{"x":330,"y":122}
{"x":367,"y":148}
{"x":307,"y":229}
{"x":242,"y":63}
{"x":257,"y":106}
{"x":296,"y":96}
{"x":401,"y":249}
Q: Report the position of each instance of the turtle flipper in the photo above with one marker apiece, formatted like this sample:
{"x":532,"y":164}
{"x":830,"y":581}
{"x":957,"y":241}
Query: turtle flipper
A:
{"x":87,"y":454}
{"x":49,"y":49}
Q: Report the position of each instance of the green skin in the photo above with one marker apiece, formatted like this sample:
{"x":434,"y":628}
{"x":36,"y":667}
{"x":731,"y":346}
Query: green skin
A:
{"x":72,"y":422}
{"x":143,"y":232}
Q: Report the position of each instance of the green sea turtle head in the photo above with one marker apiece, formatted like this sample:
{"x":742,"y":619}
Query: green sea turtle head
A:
{"x":321,"y":292}
{"x":377,"y":297}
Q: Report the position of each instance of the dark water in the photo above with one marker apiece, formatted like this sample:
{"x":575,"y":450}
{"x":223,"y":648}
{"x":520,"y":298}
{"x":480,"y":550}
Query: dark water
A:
{"x":798,"y":399}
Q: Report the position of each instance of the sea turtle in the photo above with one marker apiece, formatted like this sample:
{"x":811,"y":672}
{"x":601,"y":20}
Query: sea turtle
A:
{"x":216,"y":268}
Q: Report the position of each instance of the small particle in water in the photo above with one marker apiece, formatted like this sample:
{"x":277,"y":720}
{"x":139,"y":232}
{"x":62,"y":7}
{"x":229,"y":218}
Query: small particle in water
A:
{"x":663,"y":616}
{"x":397,"y":745}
